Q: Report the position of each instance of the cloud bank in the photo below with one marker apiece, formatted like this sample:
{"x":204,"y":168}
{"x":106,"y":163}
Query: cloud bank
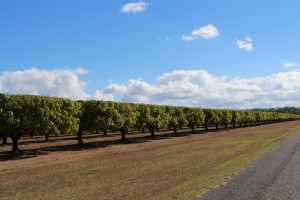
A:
{"x":199,"y":88}
{"x":60,"y":82}
{"x":181,"y":87}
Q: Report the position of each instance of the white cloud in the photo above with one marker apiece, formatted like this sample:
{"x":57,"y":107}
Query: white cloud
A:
{"x":187,"y":38}
{"x":60,"y":82}
{"x":199,"y":88}
{"x":115,"y":88}
{"x":133,"y":90}
{"x":248,"y":39}
{"x":205,"y":32}
{"x":245,"y":44}
{"x":105,"y":97}
{"x":81,"y":71}
{"x":289,"y":64}
{"x":134,"y":7}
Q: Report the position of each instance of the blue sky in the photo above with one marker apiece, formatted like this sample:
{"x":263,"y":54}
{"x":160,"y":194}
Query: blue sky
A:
{"x":132,"y":50}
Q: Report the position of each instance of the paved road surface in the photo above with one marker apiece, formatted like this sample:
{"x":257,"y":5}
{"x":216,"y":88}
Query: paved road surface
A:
{"x":276,"y":175}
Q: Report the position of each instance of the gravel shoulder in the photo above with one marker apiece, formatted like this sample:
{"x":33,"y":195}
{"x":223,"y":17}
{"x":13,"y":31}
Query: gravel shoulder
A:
{"x":276,"y":175}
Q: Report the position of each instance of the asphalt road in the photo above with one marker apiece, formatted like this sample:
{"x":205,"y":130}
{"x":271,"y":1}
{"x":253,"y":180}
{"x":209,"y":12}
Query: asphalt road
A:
{"x":276,"y":175}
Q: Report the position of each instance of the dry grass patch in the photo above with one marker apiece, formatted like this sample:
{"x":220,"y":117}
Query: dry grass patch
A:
{"x":169,"y":168}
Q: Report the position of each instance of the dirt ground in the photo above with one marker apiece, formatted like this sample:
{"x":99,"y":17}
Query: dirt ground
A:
{"x":166,"y":167}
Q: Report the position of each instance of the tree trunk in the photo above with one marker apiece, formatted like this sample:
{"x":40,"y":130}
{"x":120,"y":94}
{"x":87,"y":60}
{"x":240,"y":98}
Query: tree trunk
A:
{"x":4,"y":138}
{"x":105,"y":132}
{"x":31,"y":134}
{"x":123,"y":133}
{"x":175,"y":130}
{"x":225,"y":125}
{"x":47,"y":137}
{"x":217,"y":126}
{"x":15,"y":139}
{"x":152,"y":132}
{"x":193,"y":129}
{"x":143,"y":130}
{"x":79,"y":137}
{"x":206,"y":127}
{"x":233,"y":125}
{"x":97,"y":131}
{"x":15,"y":148}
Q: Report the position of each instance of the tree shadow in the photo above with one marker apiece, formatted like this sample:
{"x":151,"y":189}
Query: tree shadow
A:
{"x":52,"y":139}
{"x":25,"y":154}
{"x":160,"y":135}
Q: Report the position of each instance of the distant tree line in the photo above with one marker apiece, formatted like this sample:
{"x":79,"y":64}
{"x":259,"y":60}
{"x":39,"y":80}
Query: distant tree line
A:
{"x":31,"y":115}
{"x":287,"y":109}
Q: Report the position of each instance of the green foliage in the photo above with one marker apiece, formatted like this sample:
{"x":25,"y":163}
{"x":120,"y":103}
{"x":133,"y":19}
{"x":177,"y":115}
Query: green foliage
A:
{"x":212,"y":117}
{"x":226,"y":117}
{"x":106,"y":115}
{"x":23,"y":114}
{"x":142,"y":120}
{"x":236,"y":117}
{"x":99,"y":115}
{"x":126,"y":118}
{"x":29,"y":114}
{"x":156,"y":118}
{"x":195,"y":117}
{"x":177,"y":118}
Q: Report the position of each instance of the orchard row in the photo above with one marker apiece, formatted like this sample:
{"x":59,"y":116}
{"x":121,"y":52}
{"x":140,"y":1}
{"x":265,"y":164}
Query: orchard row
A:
{"x":40,"y":115}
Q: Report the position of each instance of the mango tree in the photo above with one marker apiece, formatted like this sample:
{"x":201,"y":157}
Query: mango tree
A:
{"x":4,"y":99}
{"x":125,"y":119}
{"x":217,"y":115}
{"x":246,"y":117}
{"x":141,"y":122}
{"x":52,"y":115}
{"x":194,"y":117}
{"x":258,"y":117}
{"x":177,"y":118}
{"x":212,"y":117}
{"x":251,"y":117}
{"x":86,"y":122}
{"x":243,"y":118}
{"x":236,"y":118}
{"x":156,"y":118}
{"x":226,"y":117}
{"x":106,"y":113}
{"x":14,"y":119}
{"x":68,"y":123}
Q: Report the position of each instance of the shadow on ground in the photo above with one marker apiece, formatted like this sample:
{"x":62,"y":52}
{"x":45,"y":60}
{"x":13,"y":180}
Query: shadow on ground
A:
{"x":24,"y":154}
